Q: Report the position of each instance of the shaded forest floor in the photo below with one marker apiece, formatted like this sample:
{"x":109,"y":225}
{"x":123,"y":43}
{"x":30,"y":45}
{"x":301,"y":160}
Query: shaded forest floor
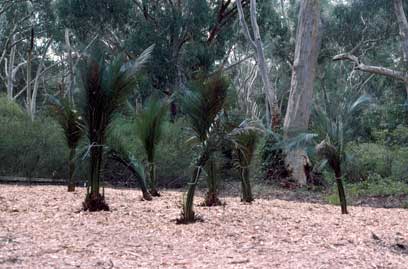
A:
{"x":43,"y":227}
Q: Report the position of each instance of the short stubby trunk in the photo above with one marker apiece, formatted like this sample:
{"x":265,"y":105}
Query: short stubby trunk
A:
{"x":211,"y":199}
{"x":95,"y":202}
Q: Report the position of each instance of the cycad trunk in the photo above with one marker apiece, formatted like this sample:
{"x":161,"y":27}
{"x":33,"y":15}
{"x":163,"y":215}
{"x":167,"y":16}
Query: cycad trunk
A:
{"x":142,"y":182}
{"x":71,"y":180}
{"x":94,"y":200}
{"x":246,"y":185}
{"x":153,"y":179}
{"x":340,"y":188}
{"x":211,"y":199}
{"x":303,"y":76}
{"x":188,"y":214}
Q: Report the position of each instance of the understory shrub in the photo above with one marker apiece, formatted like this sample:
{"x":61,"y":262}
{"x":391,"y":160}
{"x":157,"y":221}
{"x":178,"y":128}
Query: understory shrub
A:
{"x":30,"y":148}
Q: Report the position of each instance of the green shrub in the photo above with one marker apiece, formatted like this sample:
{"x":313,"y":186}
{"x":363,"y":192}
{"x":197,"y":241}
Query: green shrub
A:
{"x":393,"y":137}
{"x":399,"y":167}
{"x":368,"y":158}
{"x":377,"y":186}
{"x":30,"y":149}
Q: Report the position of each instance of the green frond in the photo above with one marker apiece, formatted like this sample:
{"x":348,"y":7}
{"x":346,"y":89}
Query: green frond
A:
{"x":68,"y":118}
{"x":149,"y":125}
{"x":203,"y":102}
{"x":244,"y":139}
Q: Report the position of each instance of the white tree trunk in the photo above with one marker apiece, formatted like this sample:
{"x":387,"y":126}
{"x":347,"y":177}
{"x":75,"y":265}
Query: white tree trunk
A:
{"x":272,"y":106}
{"x":303,"y":77}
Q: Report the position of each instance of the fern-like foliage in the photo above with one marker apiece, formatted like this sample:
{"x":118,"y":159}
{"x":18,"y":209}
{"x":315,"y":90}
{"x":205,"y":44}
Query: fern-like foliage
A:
{"x":68,"y":118}
{"x":149,"y":125}
{"x":203,"y":102}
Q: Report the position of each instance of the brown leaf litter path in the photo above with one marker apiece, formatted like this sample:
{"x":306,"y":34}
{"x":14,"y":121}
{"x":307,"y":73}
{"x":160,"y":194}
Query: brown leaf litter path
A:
{"x":42,"y":227}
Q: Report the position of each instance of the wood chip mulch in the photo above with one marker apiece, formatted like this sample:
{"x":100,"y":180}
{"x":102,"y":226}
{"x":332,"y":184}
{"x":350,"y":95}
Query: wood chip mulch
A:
{"x":43,"y":227}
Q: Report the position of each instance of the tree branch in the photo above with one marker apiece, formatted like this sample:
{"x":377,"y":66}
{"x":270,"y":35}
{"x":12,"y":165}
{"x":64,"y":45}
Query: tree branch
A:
{"x":378,"y":70}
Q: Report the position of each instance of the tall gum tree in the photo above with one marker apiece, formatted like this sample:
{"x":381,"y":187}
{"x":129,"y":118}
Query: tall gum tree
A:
{"x":303,"y":77}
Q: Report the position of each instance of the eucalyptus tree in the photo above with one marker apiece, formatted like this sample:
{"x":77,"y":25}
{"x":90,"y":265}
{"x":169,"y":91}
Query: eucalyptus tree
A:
{"x":189,"y":35}
{"x":272,"y":107}
{"x":107,"y":86}
{"x":303,"y":77}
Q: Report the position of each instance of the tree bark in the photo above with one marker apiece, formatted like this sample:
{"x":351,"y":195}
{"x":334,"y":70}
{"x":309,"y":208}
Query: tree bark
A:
{"x":403,"y":28}
{"x":272,"y":106}
{"x":29,"y":60}
{"x":303,"y":76}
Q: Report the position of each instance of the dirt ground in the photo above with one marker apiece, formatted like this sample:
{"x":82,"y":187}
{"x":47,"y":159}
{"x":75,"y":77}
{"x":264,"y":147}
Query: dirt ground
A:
{"x":43,"y":227}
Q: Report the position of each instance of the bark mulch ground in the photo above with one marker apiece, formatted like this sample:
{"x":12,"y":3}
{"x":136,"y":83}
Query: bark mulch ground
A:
{"x":43,"y":227}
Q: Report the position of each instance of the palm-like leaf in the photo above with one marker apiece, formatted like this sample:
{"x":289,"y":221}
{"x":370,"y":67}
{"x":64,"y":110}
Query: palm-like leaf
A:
{"x":340,"y":127}
{"x":118,"y":151}
{"x":204,"y":102}
{"x":244,"y":138}
{"x":68,"y":118}
{"x":149,"y":125}
{"x":71,"y":123}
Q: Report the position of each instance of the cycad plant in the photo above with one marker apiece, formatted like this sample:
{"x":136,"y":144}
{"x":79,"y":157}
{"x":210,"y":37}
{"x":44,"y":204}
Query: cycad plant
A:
{"x":71,"y":123}
{"x":202,"y":104}
{"x":244,"y":139}
{"x":106,"y":89}
{"x":149,"y":129}
{"x":338,"y":128}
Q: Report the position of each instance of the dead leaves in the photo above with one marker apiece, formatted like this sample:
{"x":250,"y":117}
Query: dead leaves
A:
{"x":42,"y":227}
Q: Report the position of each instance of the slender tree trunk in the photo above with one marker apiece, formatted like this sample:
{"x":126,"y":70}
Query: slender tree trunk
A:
{"x":33,"y":108}
{"x":340,"y":188}
{"x":246,"y":185}
{"x":71,"y":163}
{"x":153,"y":179}
{"x":29,"y":60}
{"x":211,"y":198}
{"x":272,"y":105}
{"x":303,"y":76}
{"x":71,"y":76}
{"x":142,"y":182}
{"x":10,"y":73}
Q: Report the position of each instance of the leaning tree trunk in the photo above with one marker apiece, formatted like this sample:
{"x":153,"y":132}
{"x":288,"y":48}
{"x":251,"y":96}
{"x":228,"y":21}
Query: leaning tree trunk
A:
{"x":142,"y":182}
{"x":303,"y":76}
{"x":329,"y":152}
